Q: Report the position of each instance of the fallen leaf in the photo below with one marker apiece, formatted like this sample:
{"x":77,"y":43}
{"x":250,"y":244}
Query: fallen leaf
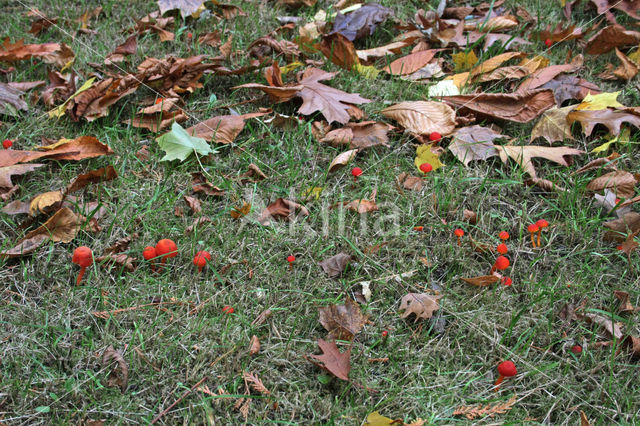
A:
{"x":254,"y":345}
{"x":474,"y":143}
{"x":621,"y":227}
{"x":122,"y":244}
{"x":423,"y":118}
{"x":194,"y":204}
{"x":604,"y":7}
{"x":342,"y":160}
{"x":584,"y":420}
{"x":10,"y":102}
{"x":94,"y":176}
{"x":421,"y":304}
{"x":599,"y":101}
{"x":493,"y":63}
{"x":376,"y":419}
{"x":361,"y":22}
{"x":46,"y":202}
{"x":482,"y":281}
{"x":186,"y":7}
{"x":381,"y":51}
{"x":339,"y":50}
{"x":626,"y":71}
{"x":359,"y":135}
{"x":520,"y":107}
{"x":464,"y":61}
{"x":334,"y":361}
{"x":196,"y":223}
{"x":58,"y":54}
{"x":6,"y":173}
{"x":472,"y":412}
{"x":362,"y":206}
{"x":566,"y":87}
{"x":524,"y":154}
{"x":241,"y":211}
{"x":425,"y":154}
{"x":342,"y":322}
{"x":412,"y":183}
{"x":410,"y":63}
{"x":222,"y":129}
{"x":621,"y":182}
{"x":610,"y":38}
{"x":65,"y":149}
{"x":201,"y":185}
{"x":119,"y":375}
{"x":542,"y":76}
{"x":335,"y":265}
{"x":127,"y":48}
{"x":178,"y":144}
{"x":121,"y":260}
{"x":281,"y":209}
{"x":553,"y":125}
{"x":612,"y":119}
{"x":608,"y":326}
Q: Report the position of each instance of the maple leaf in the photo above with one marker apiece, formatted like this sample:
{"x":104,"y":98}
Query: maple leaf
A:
{"x":524,"y":154}
{"x":342,"y":322}
{"x":474,"y":143}
{"x":335,"y":362}
{"x":335,"y":265}
{"x":178,"y":144}
{"x":425,"y":154}
{"x":421,"y":304}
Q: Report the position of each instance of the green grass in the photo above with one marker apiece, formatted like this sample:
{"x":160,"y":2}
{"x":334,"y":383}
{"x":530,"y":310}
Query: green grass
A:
{"x":52,"y":344}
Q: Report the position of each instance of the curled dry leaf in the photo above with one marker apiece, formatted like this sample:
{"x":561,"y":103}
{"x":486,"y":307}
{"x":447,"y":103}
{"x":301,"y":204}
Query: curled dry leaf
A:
{"x":335,"y":362}
{"x":194,"y":204}
{"x":240,"y":211}
{"x":608,"y":326}
{"x":10,"y":101}
{"x":612,"y":119}
{"x":474,"y":143}
{"x":422,"y":117}
{"x":524,"y":154}
{"x":65,"y":149}
{"x":482,"y":281}
{"x":119,"y":259}
{"x":610,"y":38}
{"x":342,"y":322}
{"x":544,"y":184}
{"x":119,"y":374}
{"x":361,"y":22}
{"x":474,"y":411}
{"x":127,"y":48}
{"x":553,"y":125}
{"x":520,"y":107}
{"x":410,"y":63}
{"x":253,"y":174}
{"x":281,"y":209}
{"x":335,"y":265}
{"x":6,"y":173}
{"x":58,"y":54}
{"x":94,"y":176}
{"x":621,"y":182}
{"x":222,"y":129}
{"x":46,"y":202}
{"x":542,"y":76}
{"x":254,"y":345}
{"x":362,"y":206}
{"x":621,"y":227}
{"x":342,"y":160}
{"x":421,"y":304}
{"x":359,"y":135}
{"x":122,"y":244}
{"x":412,"y":183}
{"x":339,"y":50}
{"x":200,"y":184}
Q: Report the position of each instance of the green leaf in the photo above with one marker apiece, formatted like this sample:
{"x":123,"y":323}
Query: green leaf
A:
{"x":178,"y":144}
{"x":43,"y":409}
{"x":324,"y":379}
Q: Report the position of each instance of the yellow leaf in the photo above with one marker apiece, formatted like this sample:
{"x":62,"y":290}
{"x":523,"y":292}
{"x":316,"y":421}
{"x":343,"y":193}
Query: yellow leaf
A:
{"x":376,"y":419}
{"x":460,"y":79}
{"x":313,"y":192}
{"x":238,"y":212}
{"x":290,"y":67}
{"x":635,"y":56}
{"x":425,"y":155}
{"x":622,"y":138}
{"x":58,"y":111}
{"x":196,"y":14}
{"x":464,"y":61}
{"x":44,"y":201}
{"x":367,"y":71}
{"x":598,"y":102}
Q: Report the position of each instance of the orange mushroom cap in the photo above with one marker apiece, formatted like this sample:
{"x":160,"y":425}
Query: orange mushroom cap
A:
{"x":149,"y":253}
{"x":504,"y":235}
{"x":166,"y":248}
{"x":458,"y":232}
{"x":507,"y":369}
{"x":201,"y":258}
{"x":502,"y":263}
{"x":542,"y":223}
{"x":82,"y":256}
{"x":356,"y":171}
{"x":502,"y":248}
{"x":533,"y":228}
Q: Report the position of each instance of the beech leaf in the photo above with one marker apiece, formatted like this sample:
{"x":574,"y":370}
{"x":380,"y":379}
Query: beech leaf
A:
{"x":423,"y":118}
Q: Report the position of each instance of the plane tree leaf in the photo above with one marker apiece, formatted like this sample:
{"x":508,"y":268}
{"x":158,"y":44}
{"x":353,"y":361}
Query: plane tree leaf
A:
{"x":178,"y":144}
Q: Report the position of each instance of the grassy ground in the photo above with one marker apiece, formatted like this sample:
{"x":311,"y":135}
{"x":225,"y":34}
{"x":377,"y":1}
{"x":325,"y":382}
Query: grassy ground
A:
{"x":52,"y":344}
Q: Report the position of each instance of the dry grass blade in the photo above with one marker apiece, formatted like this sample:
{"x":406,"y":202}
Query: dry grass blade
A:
{"x":473,"y":411}
{"x":256,"y":383}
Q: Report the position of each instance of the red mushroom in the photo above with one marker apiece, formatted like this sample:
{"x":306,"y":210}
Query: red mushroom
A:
{"x":291,"y":259}
{"x":7,"y":143}
{"x":533,"y":228}
{"x":201,"y":258}
{"x":504,"y":235}
{"x":505,"y":369}
{"x":507,"y":281}
{"x":228,"y":310}
{"x":541,"y":225}
{"x":502,"y":248}
{"x":426,"y":168}
{"x":189,"y":35}
{"x":149,"y":254}
{"x":166,"y":248}
{"x":501,"y":264}
{"x":459,"y":233}
{"x":83,"y":257}
{"x":355,"y":172}
{"x":435,"y":137}
{"x":418,"y":228}
{"x":548,"y":42}
{"x":576,"y":349}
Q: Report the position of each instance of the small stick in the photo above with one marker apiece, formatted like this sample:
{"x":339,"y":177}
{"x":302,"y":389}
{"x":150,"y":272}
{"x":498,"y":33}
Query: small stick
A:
{"x":177,"y":401}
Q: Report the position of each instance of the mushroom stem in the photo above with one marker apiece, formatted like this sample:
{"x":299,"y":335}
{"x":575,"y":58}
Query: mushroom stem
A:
{"x":459,"y":241}
{"x":200,"y":269}
{"x":153,"y":266}
{"x":539,"y":232}
{"x":291,"y":266}
{"x":497,"y":383}
{"x":533,"y":241}
{"x":80,"y":275}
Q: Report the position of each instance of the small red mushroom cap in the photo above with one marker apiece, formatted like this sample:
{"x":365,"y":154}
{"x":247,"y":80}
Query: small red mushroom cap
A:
{"x":533,"y":228}
{"x":542,"y":223}
{"x":507,"y":281}
{"x":507,"y":369}
{"x":291,"y":258}
{"x":189,"y":35}
{"x":228,"y":309}
{"x":149,"y":253}
{"x":576,"y":349}
{"x":159,"y":101}
{"x":385,"y":333}
{"x":458,"y":232}
{"x":426,"y":167}
{"x":82,"y":256}
{"x":504,"y":235}
{"x":7,"y":143}
{"x":435,"y":136}
{"x":502,"y":263}
{"x":502,"y":248}
{"x":201,"y":258}
{"x":166,"y":248}
{"x":548,"y":42}
{"x":356,"y":171}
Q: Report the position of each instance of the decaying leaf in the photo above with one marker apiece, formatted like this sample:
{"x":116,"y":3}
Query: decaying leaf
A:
{"x":362,"y":206}
{"x":621,"y":182}
{"x":342,"y":322}
{"x":422,"y":117}
{"x":194,"y":204}
{"x":376,"y":419}
{"x":201,"y":185}
{"x":335,"y":265}
{"x":119,"y":375}
{"x":621,"y":227}
{"x":610,"y":38}
{"x":524,"y":154}
{"x":482,"y":281}
{"x":412,"y":183}
{"x":361,"y":22}
{"x":335,"y":362}
{"x":612,"y":119}
{"x":361,"y":135}
{"x":103,"y":174}
{"x":606,"y":324}
{"x":125,"y":49}
{"x":422,"y":305}
{"x":6,"y":173}
{"x":254,"y":345}
{"x":118,"y":259}
{"x":186,"y":7}
{"x":58,"y":54}
{"x":281,"y":209}
{"x":410,"y":63}
{"x":10,"y":101}
{"x":65,"y":149}
{"x":222,"y":129}
{"x":342,"y":160}
{"x":427,"y":154}
{"x":474,"y":143}
{"x":241,"y":211}
{"x":553,"y":125}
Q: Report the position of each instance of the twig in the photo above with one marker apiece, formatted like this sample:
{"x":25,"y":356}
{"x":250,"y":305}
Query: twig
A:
{"x":177,"y":401}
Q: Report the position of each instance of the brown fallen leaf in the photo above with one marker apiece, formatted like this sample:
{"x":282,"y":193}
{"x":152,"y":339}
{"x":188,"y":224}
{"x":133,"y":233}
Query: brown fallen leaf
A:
{"x":584,"y":420}
{"x":127,"y":48}
{"x":566,"y":87}
{"x":222,"y":129}
{"x":254,"y":345}
{"x":335,"y":265}
{"x":361,"y":22}
{"x":474,"y":143}
{"x":362,"y":206}
{"x":422,"y":117}
{"x":359,"y":135}
{"x":194,"y":204}
{"x":10,"y":101}
{"x":553,"y":125}
{"x":119,"y":374}
{"x":609,"y":38}
{"x":268,"y":46}
{"x":412,"y":183}
{"x":625,"y":304}
{"x":621,"y":182}
{"x":200,"y":184}
{"x":472,"y":412}
{"x":626,"y":71}
{"x":153,"y":22}
{"x":335,"y":362}
{"x":374,"y":53}
{"x":544,"y":184}
{"x":212,"y":39}
{"x":342,"y":160}
{"x":47,"y":202}
{"x":621,"y":227}
{"x":410,"y":63}
{"x":58,"y":54}
{"x":6,"y":173}
{"x":196,"y":223}
{"x":629,"y":245}
{"x":606,"y":324}
{"x":118,"y":259}
{"x":482,"y":281}
{"x":493,"y":63}
{"x":342,"y":322}
{"x":524,"y":154}
{"x":339,"y":50}
{"x":122,"y":244}
{"x":65,"y":149}
{"x":421,"y":304}
{"x":281,"y":209}
{"x":241,"y":211}
{"x":541,"y":77}
{"x":612,"y":119}
{"x":520,"y":107}
{"x":94,"y":176}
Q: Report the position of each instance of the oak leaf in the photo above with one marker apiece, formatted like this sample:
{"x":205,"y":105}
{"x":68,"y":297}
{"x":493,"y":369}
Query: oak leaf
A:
{"x":10,"y":101}
{"x":423,"y":118}
{"x":342,"y":322}
{"x":335,"y":362}
{"x":524,"y":154}
{"x":612,"y":119}
{"x":6,"y":173}
{"x":421,"y":304}
{"x":553,"y":125}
